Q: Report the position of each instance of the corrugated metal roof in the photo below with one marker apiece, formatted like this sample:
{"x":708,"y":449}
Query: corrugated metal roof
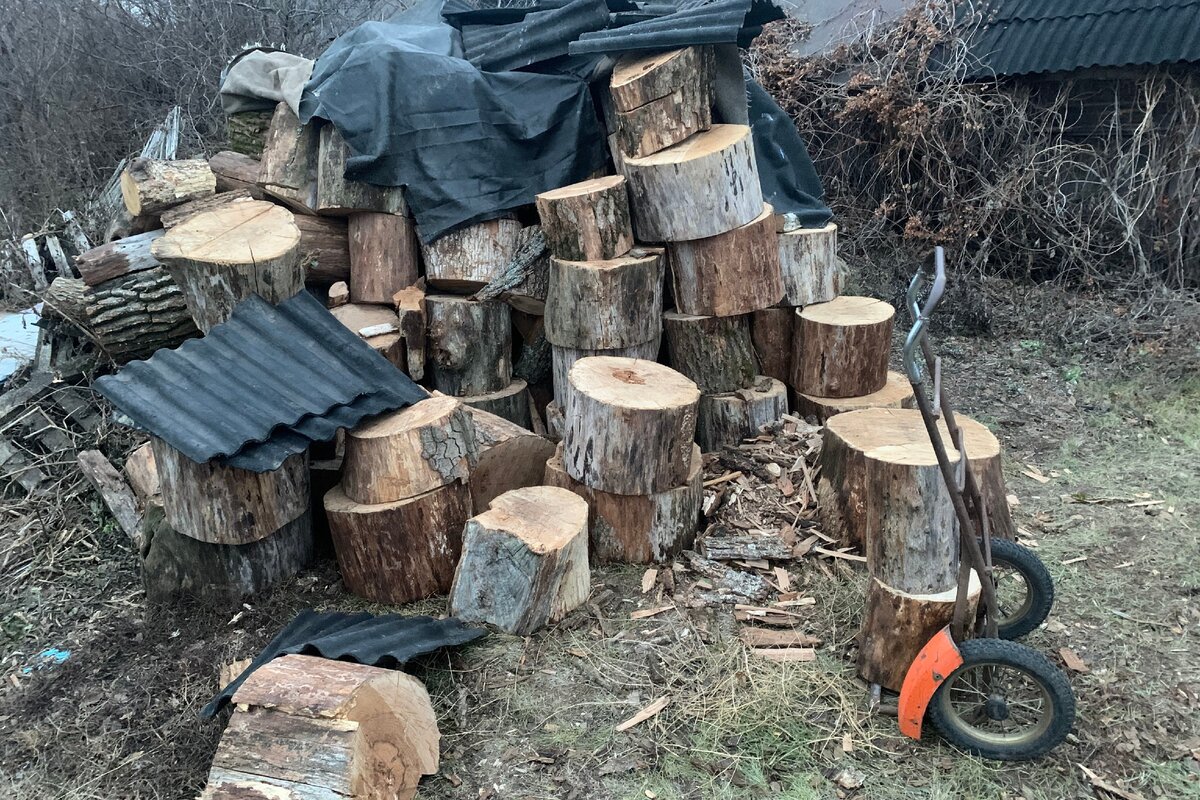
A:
{"x":540,"y":36}
{"x":378,"y":641}
{"x":694,"y":22}
{"x":1018,"y":37}
{"x":260,"y":386}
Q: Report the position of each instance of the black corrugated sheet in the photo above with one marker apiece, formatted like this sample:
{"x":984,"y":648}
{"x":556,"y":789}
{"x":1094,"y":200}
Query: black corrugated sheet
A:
{"x":1019,"y":37}
{"x":261,"y":386}
{"x":540,"y":36}
{"x":384,"y":641}
{"x":695,"y":22}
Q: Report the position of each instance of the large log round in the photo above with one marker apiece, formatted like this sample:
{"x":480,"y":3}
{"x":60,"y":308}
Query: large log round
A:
{"x":469,"y":258}
{"x":605,"y":304}
{"x":469,"y":345}
{"x":629,"y":425}
{"x":809,"y":264}
{"x":715,"y":352}
{"x":731,"y":273}
{"x":563,"y":358}
{"x":668,"y":120}
{"x":587,"y":221}
{"x":841,"y":347}
{"x":896,"y":393}
{"x":727,"y":419}
{"x":638,"y":78}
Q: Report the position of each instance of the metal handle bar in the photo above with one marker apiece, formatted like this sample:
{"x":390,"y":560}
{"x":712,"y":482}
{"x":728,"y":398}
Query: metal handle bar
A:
{"x":935,"y":269}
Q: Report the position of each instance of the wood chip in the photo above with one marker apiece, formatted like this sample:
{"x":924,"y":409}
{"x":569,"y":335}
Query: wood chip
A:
{"x":646,"y":713}
{"x":786,"y":655}
{"x":783,"y":579}
{"x":1075,"y":560}
{"x":728,"y":476}
{"x":796,"y":603}
{"x":650,"y":612}
{"x":758,"y":637}
{"x":1035,"y":473}
{"x":1111,"y":788}
{"x":1073,"y":661}
{"x":648,"y":579}
{"x":839,"y":554}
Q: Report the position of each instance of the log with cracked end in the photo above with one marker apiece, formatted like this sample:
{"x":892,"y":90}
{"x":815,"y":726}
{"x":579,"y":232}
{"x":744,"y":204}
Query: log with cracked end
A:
{"x":840,"y":348}
{"x":151,"y":186}
{"x":638,"y":79}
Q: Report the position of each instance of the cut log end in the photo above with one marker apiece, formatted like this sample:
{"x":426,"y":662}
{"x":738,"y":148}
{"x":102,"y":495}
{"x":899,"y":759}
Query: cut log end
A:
{"x":896,"y":393}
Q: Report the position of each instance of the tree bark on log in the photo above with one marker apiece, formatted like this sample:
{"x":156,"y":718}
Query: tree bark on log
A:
{"x":629,"y":425}
{"x":897,"y":624}
{"x":384,"y":256}
{"x":666,"y":121}
{"x":556,"y":422}
{"x":236,"y":172}
{"x":511,"y":402}
{"x":410,"y":307}
{"x":409,"y":452}
{"x":637,"y":529}
{"x":715,"y":352}
{"x":181,"y":213}
{"x":563,"y":358}
{"x":771,"y":332}
{"x":841,"y":347}
{"x":510,"y":457}
{"x":522,"y":284}
{"x":731,"y":273}
{"x":401,"y":551}
{"x":227,"y":505}
{"x":246,"y":132}
{"x":360,"y":317}
{"x":983,"y":453}
{"x":469,"y":346}
{"x":809,"y":263}
{"x":638,"y":79}
{"x":337,"y":194}
{"x":727,"y":419}
{"x":896,"y":393}
{"x":324,"y":248}
{"x":598,"y":305}
{"x":114,"y":259}
{"x":701,"y":187}
{"x":469,"y":258}
{"x":524,"y":561}
{"x":288,"y":169}
{"x":221,"y":257}
{"x":150,"y":186}
{"x":587,"y":221}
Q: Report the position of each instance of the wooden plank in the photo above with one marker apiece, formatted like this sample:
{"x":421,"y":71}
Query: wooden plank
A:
{"x":788,"y":655}
{"x":115,"y":493}
{"x":757,"y":637}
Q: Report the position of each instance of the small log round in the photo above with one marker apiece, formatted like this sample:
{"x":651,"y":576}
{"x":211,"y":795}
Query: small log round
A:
{"x":637,"y":529}
{"x":221,"y":257}
{"x":841,"y":347}
{"x":227,"y":505}
{"x":384,"y":256}
{"x":402,"y":551}
{"x":727,"y":419}
{"x":469,"y":345}
{"x":983,"y":453}
{"x":468,"y":258}
{"x":897,"y":624}
{"x":668,"y":120}
{"x":511,"y":402}
{"x":324,"y":248}
{"x":605,"y":304}
{"x":587,"y":221}
{"x":629,"y":425}
{"x":236,"y":172}
{"x":638,"y":79}
{"x":408,"y":452}
{"x":150,"y":186}
{"x":896,"y":393}
{"x":809,"y":264}
{"x":524,"y":561}
{"x":510,"y":457}
{"x":715,"y":352}
{"x":337,"y":194}
{"x":360,"y":317}
{"x":563,"y":358}
{"x":771,"y":332}
{"x":735,"y":272}
{"x":701,"y":187}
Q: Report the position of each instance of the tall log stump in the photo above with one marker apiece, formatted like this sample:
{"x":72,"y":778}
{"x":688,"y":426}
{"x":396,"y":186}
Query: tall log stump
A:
{"x":715,"y":352}
{"x":896,"y":393}
{"x":771,"y":333}
{"x":150,"y":186}
{"x":841,"y":347}
{"x":337,"y":194}
{"x":637,"y":529}
{"x":587,"y":221}
{"x":384,"y":256}
{"x":703,"y":186}
{"x":629,"y":425}
{"x":401,"y":551}
{"x":469,"y":345}
{"x":983,"y":452}
{"x":524,"y":561}
{"x":378,"y":326}
{"x":510,"y":403}
{"x":809,"y":264}
{"x":469,"y":258}
{"x":221,"y":257}
{"x":728,"y":418}
{"x":510,"y":457}
{"x":305,"y":728}
{"x":563,"y":358}
{"x":731,"y":273}
{"x":288,"y":168}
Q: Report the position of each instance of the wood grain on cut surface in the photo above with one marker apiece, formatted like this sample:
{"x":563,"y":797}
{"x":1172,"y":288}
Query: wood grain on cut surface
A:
{"x":563,"y":358}
{"x":364,"y":317}
{"x":150,"y":186}
{"x":639,"y":78}
{"x":665,"y":121}
{"x":510,"y":457}
{"x":728,"y":418}
{"x":896,"y":393}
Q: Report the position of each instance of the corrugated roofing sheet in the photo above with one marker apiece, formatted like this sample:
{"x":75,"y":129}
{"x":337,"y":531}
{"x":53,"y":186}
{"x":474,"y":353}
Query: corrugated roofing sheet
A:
{"x":1017,"y":37}
{"x":540,"y":36}
{"x":694,"y":22}
{"x":384,"y":641}
{"x":260,"y":386}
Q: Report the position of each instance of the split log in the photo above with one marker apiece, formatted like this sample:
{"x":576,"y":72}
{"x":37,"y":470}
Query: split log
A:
{"x":324,"y":248}
{"x":469,"y":345}
{"x":983,"y":453}
{"x":288,"y":169}
{"x":337,"y":194}
{"x":703,"y":186}
{"x":221,"y":257}
{"x":235,"y":172}
{"x":719,"y":544}
{"x":409,"y":452}
{"x":142,"y":475}
{"x":629,"y":425}
{"x":522,"y":284}
{"x":511,"y":403}
{"x":524,"y":561}
{"x":122,"y":257}
{"x":881,"y":489}
{"x":401,"y":551}
{"x":638,"y":78}
{"x":555,"y":420}
{"x":510,"y":457}
{"x":120,"y":500}
{"x":668,"y":120}
{"x":809,"y":263}
{"x":384,"y":256}
{"x":896,"y":393}
{"x":841,"y":347}
{"x":410,"y":307}
{"x":227,"y":505}
{"x":150,"y":186}
{"x":469,"y":258}
{"x":339,"y":295}
{"x":715,"y":352}
{"x":605,"y":304}
{"x":637,"y":529}
{"x":181,"y":213}
{"x":731,"y":273}
{"x":771,"y":332}
{"x":563,"y":358}
{"x":307,"y":728}
{"x":727,"y":419}
{"x":897,"y":624}
{"x":376,"y":320}
{"x":587,"y":221}
{"x":246,"y":132}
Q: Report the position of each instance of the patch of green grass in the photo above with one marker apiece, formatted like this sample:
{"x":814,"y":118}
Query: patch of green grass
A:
{"x":1170,"y":779}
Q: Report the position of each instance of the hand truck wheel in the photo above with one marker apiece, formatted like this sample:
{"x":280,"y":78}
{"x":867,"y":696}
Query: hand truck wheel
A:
{"x":1024,"y":589}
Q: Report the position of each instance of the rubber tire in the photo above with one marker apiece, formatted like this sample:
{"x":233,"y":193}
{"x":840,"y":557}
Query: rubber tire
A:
{"x":1014,"y":654}
{"x":1037,"y":578}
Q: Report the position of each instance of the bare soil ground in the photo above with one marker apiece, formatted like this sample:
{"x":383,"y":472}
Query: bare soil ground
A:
{"x":1098,"y":406}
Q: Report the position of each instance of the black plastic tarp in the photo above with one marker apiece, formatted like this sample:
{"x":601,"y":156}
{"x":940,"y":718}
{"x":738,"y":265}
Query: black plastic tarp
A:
{"x":785,"y":170}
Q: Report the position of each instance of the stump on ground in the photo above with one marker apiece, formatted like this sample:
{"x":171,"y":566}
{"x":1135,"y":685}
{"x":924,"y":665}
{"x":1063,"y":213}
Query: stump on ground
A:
{"x":587,"y":221}
{"x":896,"y":393}
{"x":469,"y":345}
{"x":382,"y":326}
{"x":306,"y":727}
{"x":524,"y":561}
{"x":468,"y":258}
{"x":605,"y":304}
{"x":221,"y":257}
{"x":401,"y":551}
{"x":735,"y":272}
{"x":629,"y":425}
{"x":841,"y":347}
{"x":337,"y":194}
{"x":771,"y":333}
{"x":809,"y":264}
{"x":409,"y":452}
{"x":638,"y":79}
{"x":727,"y":419}
{"x":235,"y":172}
{"x":324,"y":248}
{"x":510,"y":457}
{"x":150,"y":186}
{"x":288,"y":169}
{"x":563,"y":358}
{"x":637,"y":529}
{"x":715,"y":352}
{"x":510,"y":403}
{"x":667,"y":120}
{"x":384,"y":256}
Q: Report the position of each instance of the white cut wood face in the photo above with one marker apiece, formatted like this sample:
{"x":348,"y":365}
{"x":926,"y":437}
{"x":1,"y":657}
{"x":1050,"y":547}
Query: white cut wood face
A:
{"x":583,"y":188}
{"x":632,"y":383}
{"x":544,"y":518}
{"x":239,"y":233}
{"x":848,"y":310}
{"x":700,"y":145}
{"x":898,"y":436}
